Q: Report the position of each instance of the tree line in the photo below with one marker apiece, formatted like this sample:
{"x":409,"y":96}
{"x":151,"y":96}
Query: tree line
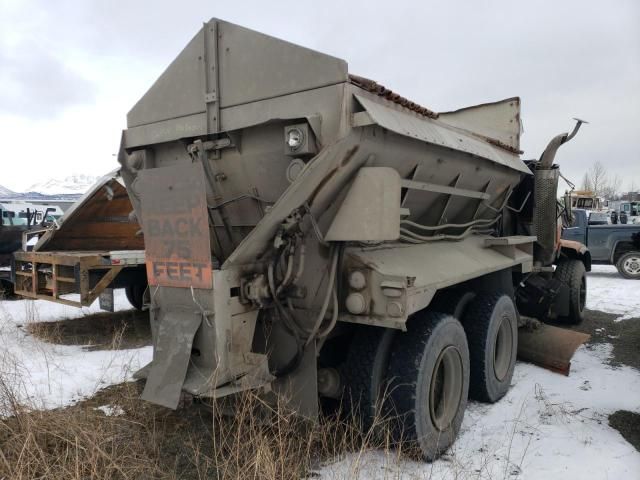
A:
{"x":599,"y":181}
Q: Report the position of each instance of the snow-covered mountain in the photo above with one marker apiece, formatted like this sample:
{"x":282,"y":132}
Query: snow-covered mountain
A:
{"x":5,"y":192}
{"x":73,"y":184}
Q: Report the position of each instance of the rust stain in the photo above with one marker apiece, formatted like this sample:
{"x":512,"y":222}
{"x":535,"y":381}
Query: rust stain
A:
{"x":380,"y":90}
{"x":504,"y":146}
{"x":349,"y":155}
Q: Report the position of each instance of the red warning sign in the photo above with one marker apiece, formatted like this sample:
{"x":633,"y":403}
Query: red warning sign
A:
{"x":176,"y":226}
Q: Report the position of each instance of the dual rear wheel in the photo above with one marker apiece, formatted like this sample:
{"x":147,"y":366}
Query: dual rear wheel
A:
{"x":420,"y":380}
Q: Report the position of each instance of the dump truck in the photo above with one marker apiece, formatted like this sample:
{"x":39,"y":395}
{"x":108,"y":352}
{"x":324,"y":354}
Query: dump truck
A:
{"x":310,"y":233}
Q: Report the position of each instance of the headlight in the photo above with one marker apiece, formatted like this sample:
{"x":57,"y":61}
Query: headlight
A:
{"x":295,"y":138}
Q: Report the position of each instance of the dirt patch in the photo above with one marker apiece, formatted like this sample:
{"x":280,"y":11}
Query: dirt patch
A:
{"x":628,"y":424}
{"x":101,"y":331}
{"x":624,"y":336}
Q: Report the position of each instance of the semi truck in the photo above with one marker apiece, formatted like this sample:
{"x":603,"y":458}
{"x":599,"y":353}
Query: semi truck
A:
{"x":311,"y":233}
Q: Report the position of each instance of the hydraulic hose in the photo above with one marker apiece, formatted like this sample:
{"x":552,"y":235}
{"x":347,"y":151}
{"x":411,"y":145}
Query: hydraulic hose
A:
{"x":447,"y":225}
{"x":413,"y":237}
{"x":334,"y":316}
{"x":330,"y":290}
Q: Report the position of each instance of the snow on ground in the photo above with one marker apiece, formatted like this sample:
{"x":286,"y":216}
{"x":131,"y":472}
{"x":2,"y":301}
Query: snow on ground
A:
{"x":608,"y":292}
{"x":547,"y":426}
{"x":22,"y":311}
{"x":46,"y":375}
{"x":111,"y":410}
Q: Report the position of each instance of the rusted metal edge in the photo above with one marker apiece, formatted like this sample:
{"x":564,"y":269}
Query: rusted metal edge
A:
{"x":504,"y":146}
{"x":382,"y":91}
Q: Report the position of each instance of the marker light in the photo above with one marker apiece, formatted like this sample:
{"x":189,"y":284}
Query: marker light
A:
{"x":295,"y":138}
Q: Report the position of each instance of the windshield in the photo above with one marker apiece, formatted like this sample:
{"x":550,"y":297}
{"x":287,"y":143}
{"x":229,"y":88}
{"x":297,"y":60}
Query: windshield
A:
{"x":585,"y":203}
{"x":598,"y":218}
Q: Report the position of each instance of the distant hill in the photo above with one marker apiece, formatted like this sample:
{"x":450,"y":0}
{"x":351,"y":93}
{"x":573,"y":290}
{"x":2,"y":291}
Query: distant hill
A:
{"x":73,"y":184}
{"x":26,"y":196}
{"x":5,"y":192}
{"x":68,"y":188}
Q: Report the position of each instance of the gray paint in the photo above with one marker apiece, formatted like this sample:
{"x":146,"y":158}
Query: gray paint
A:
{"x":237,"y":90}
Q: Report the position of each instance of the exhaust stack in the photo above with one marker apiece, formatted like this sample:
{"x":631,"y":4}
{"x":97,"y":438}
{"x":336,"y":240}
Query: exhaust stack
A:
{"x":546,"y":186}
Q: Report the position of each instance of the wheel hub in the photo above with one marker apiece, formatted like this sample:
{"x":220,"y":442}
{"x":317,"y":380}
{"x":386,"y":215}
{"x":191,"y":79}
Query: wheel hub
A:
{"x":502,"y":349}
{"x":632,"y":265}
{"x":445,"y":391}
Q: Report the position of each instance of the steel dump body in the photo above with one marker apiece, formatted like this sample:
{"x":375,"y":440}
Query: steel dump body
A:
{"x":264,"y":174}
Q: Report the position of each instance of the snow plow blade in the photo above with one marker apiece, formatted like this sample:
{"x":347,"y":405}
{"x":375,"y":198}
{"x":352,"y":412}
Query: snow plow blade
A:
{"x":549,"y":347}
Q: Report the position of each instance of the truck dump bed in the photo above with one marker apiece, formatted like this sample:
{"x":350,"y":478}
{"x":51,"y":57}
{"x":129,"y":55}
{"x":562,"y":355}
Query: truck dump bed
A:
{"x":96,"y":246}
{"x":286,"y":202}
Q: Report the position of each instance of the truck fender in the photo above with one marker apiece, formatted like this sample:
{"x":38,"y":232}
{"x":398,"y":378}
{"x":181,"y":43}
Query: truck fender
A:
{"x":630,"y":244}
{"x":577,"y":250}
{"x":612,"y":256}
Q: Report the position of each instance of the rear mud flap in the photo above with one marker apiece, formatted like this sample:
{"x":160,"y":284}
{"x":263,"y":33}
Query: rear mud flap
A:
{"x":549,"y":347}
{"x":171,"y":356}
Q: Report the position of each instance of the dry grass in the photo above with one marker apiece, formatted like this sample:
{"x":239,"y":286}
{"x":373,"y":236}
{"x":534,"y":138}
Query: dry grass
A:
{"x":100,"y":331}
{"x":78,"y":442}
{"x":199,"y":441}
{"x":196,"y":442}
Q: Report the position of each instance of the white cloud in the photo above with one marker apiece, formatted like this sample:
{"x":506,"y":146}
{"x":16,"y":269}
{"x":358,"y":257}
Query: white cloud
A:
{"x":574,"y":58}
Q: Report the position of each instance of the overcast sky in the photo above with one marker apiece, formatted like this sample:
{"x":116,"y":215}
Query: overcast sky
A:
{"x":71,"y":70}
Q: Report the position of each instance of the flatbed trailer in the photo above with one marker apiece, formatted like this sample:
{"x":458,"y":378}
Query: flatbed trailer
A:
{"x":95,"y":247}
{"x":56,"y":276}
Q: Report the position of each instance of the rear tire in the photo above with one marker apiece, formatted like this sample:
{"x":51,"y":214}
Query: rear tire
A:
{"x":573,"y":274}
{"x":135,"y":295}
{"x":628,"y":265}
{"x":429,"y":382}
{"x":491,"y":324}
{"x":365,"y":371}
{"x":6,"y":289}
